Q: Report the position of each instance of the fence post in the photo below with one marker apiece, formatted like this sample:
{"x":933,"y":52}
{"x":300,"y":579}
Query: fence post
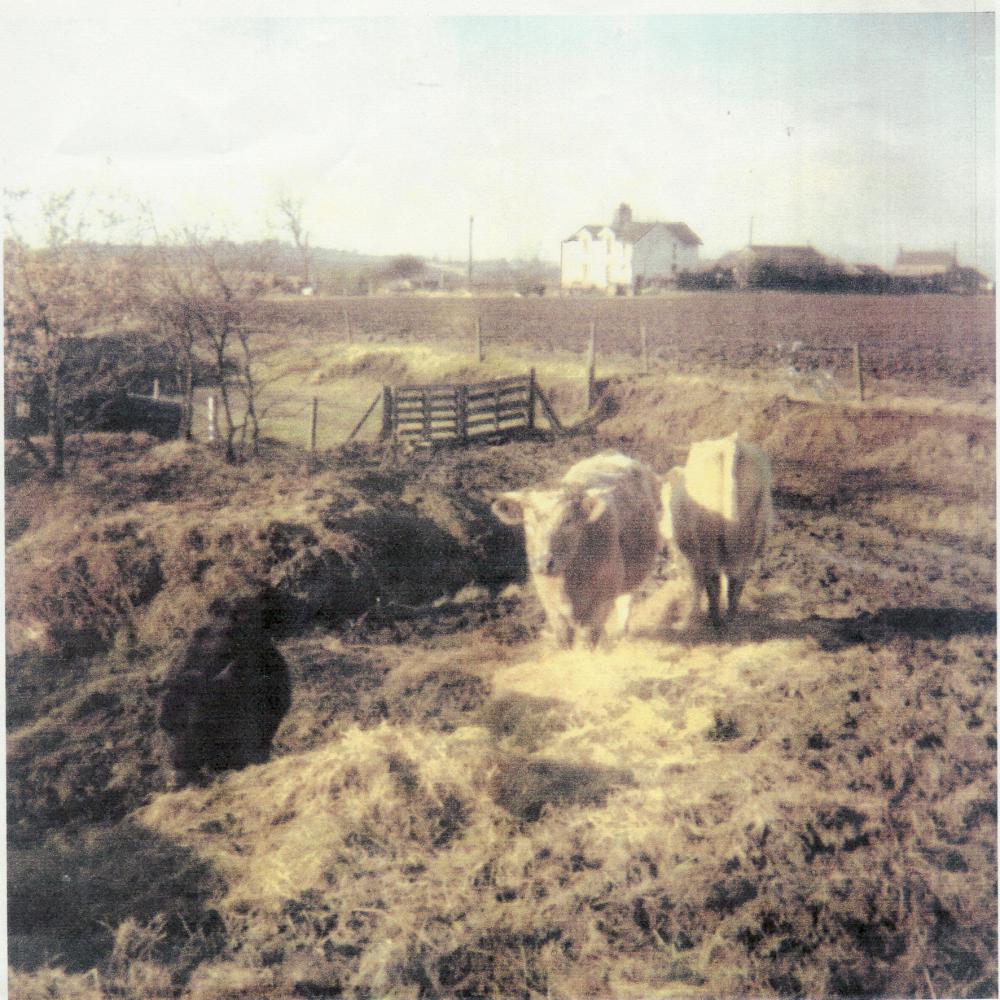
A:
{"x":591,"y":363}
{"x":644,"y":347}
{"x":386,"y":413}
{"x":312,"y":428}
{"x":156,"y":388}
{"x":347,"y":325}
{"x":479,"y":339}
{"x":461,"y":413}
{"x":425,"y":400}
{"x":858,"y":376}
{"x":531,"y":400}
{"x":212,"y":429}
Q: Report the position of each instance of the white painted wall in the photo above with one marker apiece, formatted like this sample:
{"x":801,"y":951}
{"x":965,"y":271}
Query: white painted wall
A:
{"x":601,"y":261}
{"x":659,"y":254}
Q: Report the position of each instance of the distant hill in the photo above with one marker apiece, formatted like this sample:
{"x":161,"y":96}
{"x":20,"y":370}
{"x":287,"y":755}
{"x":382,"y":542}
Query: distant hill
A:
{"x":346,"y":272}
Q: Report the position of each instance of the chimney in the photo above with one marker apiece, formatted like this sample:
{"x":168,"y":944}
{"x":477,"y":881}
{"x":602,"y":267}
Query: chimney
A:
{"x":622,"y":217}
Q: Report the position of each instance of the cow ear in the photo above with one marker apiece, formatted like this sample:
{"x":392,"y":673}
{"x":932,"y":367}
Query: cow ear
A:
{"x":593,"y":507}
{"x":509,"y":508}
{"x":225,"y":675}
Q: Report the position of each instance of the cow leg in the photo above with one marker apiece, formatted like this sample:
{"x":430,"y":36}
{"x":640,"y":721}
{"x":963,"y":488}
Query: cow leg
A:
{"x":713,"y":586}
{"x":623,"y":610}
{"x":736,"y":584}
{"x":563,"y":632}
{"x":593,"y":633}
{"x":597,"y":620}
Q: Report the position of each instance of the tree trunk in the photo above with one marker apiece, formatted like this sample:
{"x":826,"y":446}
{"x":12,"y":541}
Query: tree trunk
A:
{"x":185,"y":378}
{"x":57,"y":431}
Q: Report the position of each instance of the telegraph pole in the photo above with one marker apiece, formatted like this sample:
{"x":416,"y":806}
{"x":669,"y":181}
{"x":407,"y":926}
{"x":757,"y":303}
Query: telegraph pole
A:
{"x":471,"y":220}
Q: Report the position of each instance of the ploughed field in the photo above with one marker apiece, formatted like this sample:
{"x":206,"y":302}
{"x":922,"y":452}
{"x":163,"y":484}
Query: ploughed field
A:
{"x":937,"y":342}
{"x":801,"y":804}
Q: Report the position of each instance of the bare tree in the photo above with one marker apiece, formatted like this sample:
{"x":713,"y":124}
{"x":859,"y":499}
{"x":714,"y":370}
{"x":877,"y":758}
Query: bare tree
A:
{"x":291,"y":213}
{"x":174,"y":297}
{"x":202,"y":294}
{"x":57,"y":292}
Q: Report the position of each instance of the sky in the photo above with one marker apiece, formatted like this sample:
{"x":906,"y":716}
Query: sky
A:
{"x":857,"y":133}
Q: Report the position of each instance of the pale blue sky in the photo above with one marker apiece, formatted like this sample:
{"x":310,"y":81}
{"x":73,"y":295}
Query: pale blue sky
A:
{"x":857,"y":133}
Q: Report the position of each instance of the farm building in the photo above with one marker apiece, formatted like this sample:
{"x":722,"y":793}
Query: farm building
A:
{"x":936,"y":271}
{"x":759,"y":266}
{"x":626,"y":255}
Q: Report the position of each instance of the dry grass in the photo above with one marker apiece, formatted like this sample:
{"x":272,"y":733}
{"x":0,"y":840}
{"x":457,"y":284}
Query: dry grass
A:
{"x":731,"y":818}
{"x":804,"y":805}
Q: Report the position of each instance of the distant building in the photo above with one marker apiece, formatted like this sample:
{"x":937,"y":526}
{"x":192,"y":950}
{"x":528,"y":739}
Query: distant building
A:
{"x":626,"y":256}
{"x":924,"y":263}
{"x":936,"y":271}
{"x":766,"y":266}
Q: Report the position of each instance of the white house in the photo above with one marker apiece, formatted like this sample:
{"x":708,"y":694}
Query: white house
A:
{"x":627,"y":255}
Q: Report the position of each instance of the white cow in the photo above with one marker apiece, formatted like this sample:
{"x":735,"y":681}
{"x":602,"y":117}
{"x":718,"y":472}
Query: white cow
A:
{"x":717,"y":512}
{"x":591,"y":541}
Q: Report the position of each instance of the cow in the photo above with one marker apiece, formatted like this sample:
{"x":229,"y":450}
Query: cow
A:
{"x":226,"y":693}
{"x":590,"y":542}
{"x":717,"y":512}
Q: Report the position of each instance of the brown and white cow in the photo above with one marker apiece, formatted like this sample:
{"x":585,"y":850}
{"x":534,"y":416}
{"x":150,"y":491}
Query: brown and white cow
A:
{"x":717,"y":512}
{"x":590,"y":542}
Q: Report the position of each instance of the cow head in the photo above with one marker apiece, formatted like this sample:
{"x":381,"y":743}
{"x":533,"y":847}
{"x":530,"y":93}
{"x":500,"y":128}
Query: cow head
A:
{"x":554,"y":522}
{"x":193,"y":708}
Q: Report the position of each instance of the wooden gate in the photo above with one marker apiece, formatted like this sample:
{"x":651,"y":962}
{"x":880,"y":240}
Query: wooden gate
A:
{"x":439,"y":414}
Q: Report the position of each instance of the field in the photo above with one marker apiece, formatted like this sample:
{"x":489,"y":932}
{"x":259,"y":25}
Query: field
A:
{"x":803,"y":804}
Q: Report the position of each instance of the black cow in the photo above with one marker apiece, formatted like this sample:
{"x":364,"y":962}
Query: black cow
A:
{"x":226,"y":694}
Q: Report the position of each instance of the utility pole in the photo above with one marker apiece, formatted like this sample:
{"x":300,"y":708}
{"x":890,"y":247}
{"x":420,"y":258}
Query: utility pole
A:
{"x":471,"y":220}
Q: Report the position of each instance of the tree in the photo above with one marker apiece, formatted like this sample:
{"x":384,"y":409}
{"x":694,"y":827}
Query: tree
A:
{"x":202,"y":292}
{"x":404,"y":268}
{"x":291,"y":212}
{"x":70,"y":286}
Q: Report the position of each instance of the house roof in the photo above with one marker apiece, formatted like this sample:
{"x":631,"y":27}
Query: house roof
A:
{"x":787,"y":254}
{"x":632,"y":232}
{"x":924,"y":258}
{"x":593,"y":230}
{"x":916,"y":263}
{"x":778,"y":256}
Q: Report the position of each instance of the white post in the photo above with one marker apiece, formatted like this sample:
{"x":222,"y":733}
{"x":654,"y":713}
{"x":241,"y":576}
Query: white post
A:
{"x":156,"y":388}
{"x":211,"y":419}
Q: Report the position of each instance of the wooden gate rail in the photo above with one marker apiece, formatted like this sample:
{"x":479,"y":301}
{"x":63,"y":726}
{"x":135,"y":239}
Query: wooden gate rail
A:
{"x":439,"y":413}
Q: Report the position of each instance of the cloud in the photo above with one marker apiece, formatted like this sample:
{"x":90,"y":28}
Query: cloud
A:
{"x":155,"y":125}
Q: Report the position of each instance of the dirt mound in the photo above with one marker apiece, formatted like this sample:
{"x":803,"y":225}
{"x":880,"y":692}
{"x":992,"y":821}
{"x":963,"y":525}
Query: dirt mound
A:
{"x":55,"y":915}
{"x":388,"y":367}
{"x":827,"y":452}
{"x":85,"y":594}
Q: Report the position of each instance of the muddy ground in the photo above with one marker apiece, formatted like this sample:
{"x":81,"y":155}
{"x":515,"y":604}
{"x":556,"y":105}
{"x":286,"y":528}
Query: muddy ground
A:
{"x":801,"y":804}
